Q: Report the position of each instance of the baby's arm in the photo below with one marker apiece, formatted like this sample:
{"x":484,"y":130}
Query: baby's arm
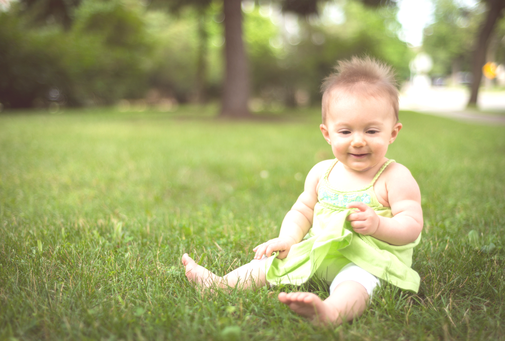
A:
{"x":404,"y":197}
{"x":298,"y":220}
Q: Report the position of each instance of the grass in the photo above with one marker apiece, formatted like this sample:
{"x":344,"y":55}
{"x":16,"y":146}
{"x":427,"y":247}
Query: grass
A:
{"x":97,"y":207}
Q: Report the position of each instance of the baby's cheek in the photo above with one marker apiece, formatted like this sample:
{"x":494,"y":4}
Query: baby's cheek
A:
{"x":339,"y":149}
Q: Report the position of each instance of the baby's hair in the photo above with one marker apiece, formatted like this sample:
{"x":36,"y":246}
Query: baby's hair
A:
{"x":364,"y":76}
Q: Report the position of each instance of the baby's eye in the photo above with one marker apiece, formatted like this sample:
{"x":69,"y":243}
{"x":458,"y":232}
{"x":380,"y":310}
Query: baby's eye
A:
{"x":345,"y":132}
{"x":372,"y":132}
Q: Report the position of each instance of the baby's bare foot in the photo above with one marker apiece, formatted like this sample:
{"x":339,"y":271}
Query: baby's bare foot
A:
{"x":310,"y":306}
{"x":198,"y":274}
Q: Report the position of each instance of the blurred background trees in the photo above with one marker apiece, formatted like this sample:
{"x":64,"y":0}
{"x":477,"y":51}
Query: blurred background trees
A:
{"x":462,"y":39}
{"x":448,"y":40}
{"x":102,"y":57}
{"x":91,"y":52}
{"x":494,"y":13}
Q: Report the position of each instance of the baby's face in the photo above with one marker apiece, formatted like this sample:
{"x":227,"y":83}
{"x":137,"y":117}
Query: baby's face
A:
{"x":360,"y":130}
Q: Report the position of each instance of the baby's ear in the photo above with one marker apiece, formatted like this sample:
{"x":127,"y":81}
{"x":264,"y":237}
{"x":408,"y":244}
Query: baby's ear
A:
{"x":394,"y":134}
{"x":326,"y":133}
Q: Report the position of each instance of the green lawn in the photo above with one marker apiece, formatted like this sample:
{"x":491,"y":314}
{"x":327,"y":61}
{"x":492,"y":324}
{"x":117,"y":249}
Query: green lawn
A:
{"x":97,"y":208}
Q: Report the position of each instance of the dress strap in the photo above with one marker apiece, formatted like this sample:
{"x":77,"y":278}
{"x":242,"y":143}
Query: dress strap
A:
{"x":328,"y":171}
{"x":380,"y":171}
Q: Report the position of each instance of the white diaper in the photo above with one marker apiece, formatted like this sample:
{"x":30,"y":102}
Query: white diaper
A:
{"x":352,"y":272}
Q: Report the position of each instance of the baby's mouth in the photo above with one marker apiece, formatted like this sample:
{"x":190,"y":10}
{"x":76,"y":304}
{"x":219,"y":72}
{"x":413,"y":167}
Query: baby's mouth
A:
{"x":358,"y":155}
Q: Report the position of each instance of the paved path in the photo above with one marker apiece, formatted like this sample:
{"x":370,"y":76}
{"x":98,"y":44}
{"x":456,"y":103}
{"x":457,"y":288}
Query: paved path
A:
{"x":469,"y":116}
{"x":450,"y":102}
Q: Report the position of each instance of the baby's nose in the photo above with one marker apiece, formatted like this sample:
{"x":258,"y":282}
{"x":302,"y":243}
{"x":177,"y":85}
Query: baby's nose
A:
{"x":358,"y":140}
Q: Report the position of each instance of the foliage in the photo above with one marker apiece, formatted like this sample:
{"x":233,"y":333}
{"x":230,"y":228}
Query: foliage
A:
{"x":107,"y":51}
{"x":264,"y":59}
{"x":59,"y":12}
{"x":101,"y":59}
{"x":178,"y":5}
{"x":497,"y":44}
{"x":364,"y":31}
{"x":29,"y":68}
{"x":175,"y":53}
{"x":121,"y":49}
{"x":278,"y":69}
{"x":97,"y":207}
{"x":449,"y":39}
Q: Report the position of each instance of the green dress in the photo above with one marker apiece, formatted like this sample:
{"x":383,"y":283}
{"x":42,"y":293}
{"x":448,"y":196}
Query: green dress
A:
{"x":331,"y":243}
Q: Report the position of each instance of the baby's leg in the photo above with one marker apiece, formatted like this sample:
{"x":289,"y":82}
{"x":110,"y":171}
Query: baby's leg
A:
{"x":247,"y":276}
{"x":251,"y":275}
{"x":349,"y":297}
{"x":347,"y":302}
{"x":198,"y":274}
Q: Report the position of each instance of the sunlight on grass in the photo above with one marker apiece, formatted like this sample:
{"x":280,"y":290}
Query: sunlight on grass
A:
{"x":96,"y":210}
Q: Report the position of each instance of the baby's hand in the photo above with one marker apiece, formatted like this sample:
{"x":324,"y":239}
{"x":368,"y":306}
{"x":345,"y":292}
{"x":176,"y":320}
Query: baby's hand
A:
{"x":366,"y":221}
{"x":277,"y":244}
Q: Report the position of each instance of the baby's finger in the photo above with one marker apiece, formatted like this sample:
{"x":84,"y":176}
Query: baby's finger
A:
{"x":356,"y":216}
{"x":272,"y":248}
{"x":259,"y":251}
{"x":262,"y":250}
{"x":262,"y":245}
{"x":359,"y":205}
{"x":358,"y":224}
{"x":269,"y":249}
{"x":257,"y":246}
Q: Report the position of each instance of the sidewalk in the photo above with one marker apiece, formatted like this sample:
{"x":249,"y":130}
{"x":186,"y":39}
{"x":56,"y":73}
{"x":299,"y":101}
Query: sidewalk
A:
{"x":451,"y":102}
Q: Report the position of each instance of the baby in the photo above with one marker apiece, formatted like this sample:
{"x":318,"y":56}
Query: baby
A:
{"x":359,"y":216}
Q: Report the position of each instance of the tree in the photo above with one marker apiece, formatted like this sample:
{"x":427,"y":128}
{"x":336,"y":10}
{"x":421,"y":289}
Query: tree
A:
{"x":449,"y":39}
{"x":236,"y":85}
{"x":25,"y":80}
{"x":340,"y":32}
{"x":201,"y":7}
{"x":235,"y":90}
{"x":59,"y":11}
{"x":236,"y":82}
{"x":100,"y":59}
{"x":495,"y":11}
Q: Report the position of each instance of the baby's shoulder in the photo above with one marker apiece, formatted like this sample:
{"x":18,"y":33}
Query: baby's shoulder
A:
{"x":325,"y":164}
{"x":397,"y":185}
{"x":396,"y":172}
{"x":318,"y":171}
{"x":321,"y":168}
{"x":396,"y":168}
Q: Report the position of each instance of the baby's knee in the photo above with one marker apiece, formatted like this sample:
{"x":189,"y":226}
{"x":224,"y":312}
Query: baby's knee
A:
{"x":352,"y":272}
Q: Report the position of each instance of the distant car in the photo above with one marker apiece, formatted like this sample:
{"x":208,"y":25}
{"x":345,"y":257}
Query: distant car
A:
{"x":465,"y":78}
{"x":438,"y":81}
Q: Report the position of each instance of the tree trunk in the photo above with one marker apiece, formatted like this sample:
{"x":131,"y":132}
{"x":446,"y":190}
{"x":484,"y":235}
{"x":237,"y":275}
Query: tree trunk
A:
{"x":494,"y":13}
{"x":236,"y":83}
